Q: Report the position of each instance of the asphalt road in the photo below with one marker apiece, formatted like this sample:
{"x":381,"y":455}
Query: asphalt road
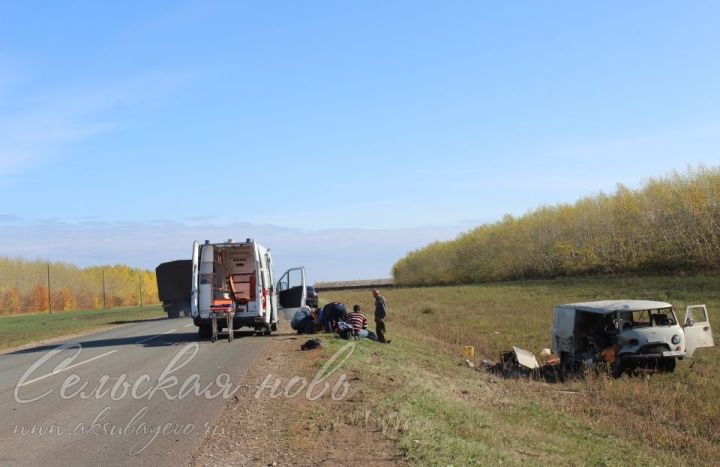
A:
{"x":146,"y":393}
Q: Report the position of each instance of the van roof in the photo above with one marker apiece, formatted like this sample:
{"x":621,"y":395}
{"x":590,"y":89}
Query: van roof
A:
{"x":611,"y":306}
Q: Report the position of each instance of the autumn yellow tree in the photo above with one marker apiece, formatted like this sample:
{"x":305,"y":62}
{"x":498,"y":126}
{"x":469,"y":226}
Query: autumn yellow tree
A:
{"x":64,"y":300}
{"x":11,"y":301}
{"x":38,"y":299}
{"x":670,"y":224}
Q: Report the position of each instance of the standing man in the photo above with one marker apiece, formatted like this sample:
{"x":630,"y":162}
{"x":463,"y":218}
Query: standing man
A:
{"x":380,"y":315}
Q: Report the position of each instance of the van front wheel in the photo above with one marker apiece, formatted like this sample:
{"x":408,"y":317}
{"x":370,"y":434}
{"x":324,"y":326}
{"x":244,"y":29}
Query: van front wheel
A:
{"x":667,"y":365}
{"x":566,"y":367}
{"x":618,"y":368}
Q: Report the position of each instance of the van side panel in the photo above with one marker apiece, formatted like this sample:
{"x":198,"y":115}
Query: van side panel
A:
{"x":263,"y":281}
{"x":206,"y":278}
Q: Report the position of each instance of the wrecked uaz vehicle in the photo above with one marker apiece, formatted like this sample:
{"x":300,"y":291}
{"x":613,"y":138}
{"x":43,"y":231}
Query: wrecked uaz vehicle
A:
{"x":627,"y":335}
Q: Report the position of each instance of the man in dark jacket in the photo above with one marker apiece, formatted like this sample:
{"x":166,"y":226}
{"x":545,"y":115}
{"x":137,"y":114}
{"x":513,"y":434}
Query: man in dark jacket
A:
{"x":331,"y":314}
{"x":380,"y":315}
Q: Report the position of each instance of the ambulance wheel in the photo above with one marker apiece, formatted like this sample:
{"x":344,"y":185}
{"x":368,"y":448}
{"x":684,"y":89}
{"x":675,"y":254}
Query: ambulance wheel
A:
{"x":268,"y":330}
{"x":204,"y":332}
{"x":273,"y":326}
{"x":213,"y":339}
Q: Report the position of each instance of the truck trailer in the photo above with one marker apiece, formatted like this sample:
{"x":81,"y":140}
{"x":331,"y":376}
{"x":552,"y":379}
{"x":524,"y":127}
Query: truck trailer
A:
{"x":173,"y":282}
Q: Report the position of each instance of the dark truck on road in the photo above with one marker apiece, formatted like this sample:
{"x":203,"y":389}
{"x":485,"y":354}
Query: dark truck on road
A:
{"x":174,"y":286}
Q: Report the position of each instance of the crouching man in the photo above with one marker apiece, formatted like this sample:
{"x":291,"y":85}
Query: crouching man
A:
{"x":359,"y":323}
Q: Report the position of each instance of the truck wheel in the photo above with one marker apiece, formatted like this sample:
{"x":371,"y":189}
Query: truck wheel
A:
{"x":268,"y":330}
{"x":173,"y":313}
{"x":273,"y":326}
{"x":204,"y":332}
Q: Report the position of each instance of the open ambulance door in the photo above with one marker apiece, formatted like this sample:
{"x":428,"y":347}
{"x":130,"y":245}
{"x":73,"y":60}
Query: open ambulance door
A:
{"x":697,"y":329}
{"x":292,"y":292}
{"x":194,"y":284}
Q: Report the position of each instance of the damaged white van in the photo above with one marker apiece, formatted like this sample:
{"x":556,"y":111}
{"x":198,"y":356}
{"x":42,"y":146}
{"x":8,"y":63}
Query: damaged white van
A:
{"x":240,"y":275}
{"x":627,"y":335}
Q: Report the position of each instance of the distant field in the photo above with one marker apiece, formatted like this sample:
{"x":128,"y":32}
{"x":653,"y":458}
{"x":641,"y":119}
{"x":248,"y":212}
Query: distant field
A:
{"x":23,"y":329}
{"x":442,"y":412}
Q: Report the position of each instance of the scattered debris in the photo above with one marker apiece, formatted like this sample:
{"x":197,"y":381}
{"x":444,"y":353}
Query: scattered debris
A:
{"x":520,"y":363}
{"x":311,"y":344}
{"x":525,"y":358}
{"x":469,"y":364}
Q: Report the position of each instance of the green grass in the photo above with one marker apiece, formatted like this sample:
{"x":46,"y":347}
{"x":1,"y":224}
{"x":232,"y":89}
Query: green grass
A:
{"x":23,"y":329}
{"x":418,"y":392}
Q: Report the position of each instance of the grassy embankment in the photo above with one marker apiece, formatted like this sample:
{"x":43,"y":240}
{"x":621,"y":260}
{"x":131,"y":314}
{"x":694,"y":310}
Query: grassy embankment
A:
{"x":23,"y":329}
{"x":416,"y":390}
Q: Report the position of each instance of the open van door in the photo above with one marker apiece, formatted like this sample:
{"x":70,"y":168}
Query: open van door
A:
{"x":697,"y":329}
{"x":292,"y":292}
{"x":194,"y":283}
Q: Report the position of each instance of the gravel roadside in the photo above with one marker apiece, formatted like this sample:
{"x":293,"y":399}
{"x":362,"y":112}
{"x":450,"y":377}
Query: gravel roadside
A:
{"x":271,"y":420}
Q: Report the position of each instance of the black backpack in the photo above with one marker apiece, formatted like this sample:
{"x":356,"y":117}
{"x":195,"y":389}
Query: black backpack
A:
{"x":311,"y":344}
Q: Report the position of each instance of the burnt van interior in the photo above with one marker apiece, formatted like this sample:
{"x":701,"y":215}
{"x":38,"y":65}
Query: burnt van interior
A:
{"x":594,"y":331}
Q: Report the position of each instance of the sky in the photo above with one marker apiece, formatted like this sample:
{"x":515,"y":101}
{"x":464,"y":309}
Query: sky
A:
{"x":341,"y":135}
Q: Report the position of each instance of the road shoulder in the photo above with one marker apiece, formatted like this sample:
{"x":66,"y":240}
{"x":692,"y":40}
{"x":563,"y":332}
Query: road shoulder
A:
{"x":272,"y":420}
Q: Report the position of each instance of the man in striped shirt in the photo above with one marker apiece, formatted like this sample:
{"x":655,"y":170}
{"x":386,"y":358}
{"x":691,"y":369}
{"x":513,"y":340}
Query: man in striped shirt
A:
{"x":356,"y":319}
{"x":359,"y":323}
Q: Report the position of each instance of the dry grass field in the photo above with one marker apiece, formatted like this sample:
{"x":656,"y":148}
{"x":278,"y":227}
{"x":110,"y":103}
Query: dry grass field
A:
{"x":417,"y":391}
{"x":24,"y":329}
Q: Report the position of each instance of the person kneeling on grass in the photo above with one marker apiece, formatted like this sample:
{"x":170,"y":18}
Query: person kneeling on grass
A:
{"x":331,"y":314}
{"x":359,"y":324}
{"x":303,"y":322}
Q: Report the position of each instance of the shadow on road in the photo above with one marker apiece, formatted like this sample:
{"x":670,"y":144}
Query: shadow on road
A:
{"x":133,"y":321}
{"x":149,"y":340}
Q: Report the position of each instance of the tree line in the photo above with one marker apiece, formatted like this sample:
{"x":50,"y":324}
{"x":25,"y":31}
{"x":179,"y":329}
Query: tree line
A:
{"x":670,"y":224}
{"x":24,"y":286}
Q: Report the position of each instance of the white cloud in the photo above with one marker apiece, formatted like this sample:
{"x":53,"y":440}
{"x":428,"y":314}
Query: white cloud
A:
{"x":41,"y":129}
{"x":327,"y":254}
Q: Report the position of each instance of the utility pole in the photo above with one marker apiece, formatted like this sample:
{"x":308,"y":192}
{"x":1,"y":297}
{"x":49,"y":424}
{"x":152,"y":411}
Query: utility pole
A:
{"x":49,"y":294}
{"x":104,"y":302}
{"x":140,"y":286}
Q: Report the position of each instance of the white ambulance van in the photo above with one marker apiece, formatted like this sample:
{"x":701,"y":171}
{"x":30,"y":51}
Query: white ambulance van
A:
{"x":240,"y":274}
